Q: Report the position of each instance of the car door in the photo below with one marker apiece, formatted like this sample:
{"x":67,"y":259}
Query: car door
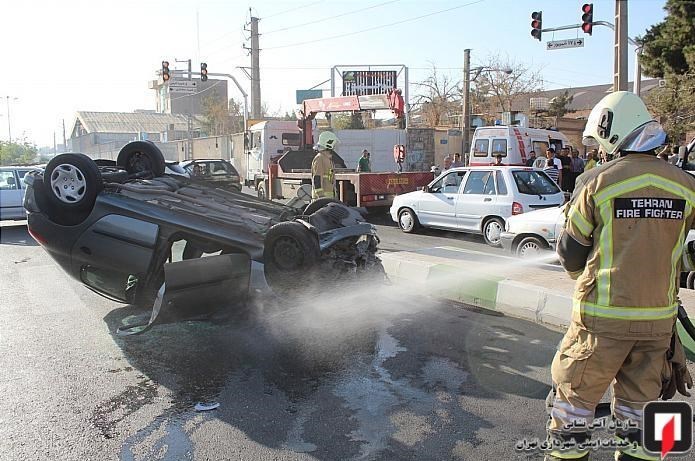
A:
{"x":478,"y":199}
{"x":10,"y":196}
{"x":437,"y":207}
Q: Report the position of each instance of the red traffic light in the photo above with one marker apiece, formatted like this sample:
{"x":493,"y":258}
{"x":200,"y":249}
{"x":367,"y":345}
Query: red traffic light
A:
{"x":165,"y":70}
{"x":537,"y":24}
{"x":588,"y":18}
{"x":203,"y":72}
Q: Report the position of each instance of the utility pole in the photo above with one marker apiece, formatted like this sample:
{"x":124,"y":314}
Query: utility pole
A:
{"x":620,"y":54}
{"x":65,"y":142}
{"x":255,"y":71}
{"x":466,"y":117}
{"x":55,"y":148}
{"x":9,"y":124}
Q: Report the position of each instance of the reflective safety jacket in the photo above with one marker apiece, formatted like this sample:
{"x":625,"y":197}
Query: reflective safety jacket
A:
{"x":634,"y":214}
{"x":322,"y":176}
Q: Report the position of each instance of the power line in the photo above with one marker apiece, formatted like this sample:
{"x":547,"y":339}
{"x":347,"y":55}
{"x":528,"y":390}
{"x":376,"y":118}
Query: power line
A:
{"x":292,"y":9}
{"x":415,"y":18}
{"x":347,"y":13}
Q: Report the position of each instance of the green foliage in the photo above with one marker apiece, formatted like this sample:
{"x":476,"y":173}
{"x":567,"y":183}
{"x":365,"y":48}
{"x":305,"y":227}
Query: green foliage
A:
{"x":343,"y":121}
{"x":674,"y":105}
{"x":669,"y":47}
{"x":559,"y":105}
{"x":14,"y":153}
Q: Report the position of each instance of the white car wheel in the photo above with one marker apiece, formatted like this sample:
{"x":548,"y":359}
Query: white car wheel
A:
{"x":530,"y":247}
{"x":407,"y":221}
{"x":492,"y":229}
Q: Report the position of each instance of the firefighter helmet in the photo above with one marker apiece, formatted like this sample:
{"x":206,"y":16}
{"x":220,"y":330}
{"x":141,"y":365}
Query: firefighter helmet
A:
{"x":621,"y":122}
{"x":327,"y":140}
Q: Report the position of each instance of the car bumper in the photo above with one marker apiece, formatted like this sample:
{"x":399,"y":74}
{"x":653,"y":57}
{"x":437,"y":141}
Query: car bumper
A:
{"x":393,"y":211}
{"x":506,"y":240}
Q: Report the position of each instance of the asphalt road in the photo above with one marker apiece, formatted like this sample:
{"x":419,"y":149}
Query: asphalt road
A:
{"x":375,"y":375}
{"x":372,"y":374}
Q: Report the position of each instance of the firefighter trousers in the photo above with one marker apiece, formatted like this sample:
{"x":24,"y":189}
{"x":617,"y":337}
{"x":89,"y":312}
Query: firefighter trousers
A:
{"x":584,"y":367}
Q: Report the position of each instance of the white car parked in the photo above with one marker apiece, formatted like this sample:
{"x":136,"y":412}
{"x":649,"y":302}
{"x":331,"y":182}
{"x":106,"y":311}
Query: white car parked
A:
{"x":533,"y":234}
{"x":476,"y":200}
{"x":12,"y":192}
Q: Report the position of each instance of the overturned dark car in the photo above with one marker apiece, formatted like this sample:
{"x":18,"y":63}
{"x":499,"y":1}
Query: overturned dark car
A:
{"x":138,"y":234}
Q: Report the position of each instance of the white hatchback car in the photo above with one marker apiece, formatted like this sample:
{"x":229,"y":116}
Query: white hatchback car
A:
{"x":532,"y":234}
{"x":12,"y":192}
{"x":476,"y":200}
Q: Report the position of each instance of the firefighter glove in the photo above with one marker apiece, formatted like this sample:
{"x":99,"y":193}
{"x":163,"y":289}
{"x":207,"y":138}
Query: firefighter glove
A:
{"x":679,"y":378}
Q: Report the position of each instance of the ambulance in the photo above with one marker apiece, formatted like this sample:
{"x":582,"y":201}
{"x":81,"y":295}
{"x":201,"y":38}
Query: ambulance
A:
{"x":513,"y":143}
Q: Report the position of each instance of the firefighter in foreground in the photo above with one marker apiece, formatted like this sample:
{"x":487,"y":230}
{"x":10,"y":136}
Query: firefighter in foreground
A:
{"x":322,"y":168}
{"x":623,"y":243}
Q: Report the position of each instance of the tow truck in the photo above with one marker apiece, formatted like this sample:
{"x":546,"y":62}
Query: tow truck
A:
{"x":290,"y":176}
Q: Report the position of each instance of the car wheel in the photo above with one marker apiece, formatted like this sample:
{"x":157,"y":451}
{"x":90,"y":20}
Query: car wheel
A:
{"x":690,"y":281}
{"x":317,"y":204}
{"x":141,"y":157}
{"x":530,"y":247}
{"x":291,"y":252}
{"x":407,"y":221}
{"x":260,"y":191}
{"x":492,"y":228}
{"x":74,"y":182}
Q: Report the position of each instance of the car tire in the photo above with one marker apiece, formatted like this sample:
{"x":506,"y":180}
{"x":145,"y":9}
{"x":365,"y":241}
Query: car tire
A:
{"x":260,"y":191}
{"x":290,"y":254}
{"x":317,"y":204}
{"x":492,"y":228}
{"x":530,"y":247}
{"x":72,"y":183}
{"x":407,"y":221}
{"x":690,"y":281}
{"x":140,"y":157}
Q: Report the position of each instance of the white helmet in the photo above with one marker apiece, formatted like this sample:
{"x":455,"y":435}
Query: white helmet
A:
{"x":621,"y":122}
{"x":327,"y":140}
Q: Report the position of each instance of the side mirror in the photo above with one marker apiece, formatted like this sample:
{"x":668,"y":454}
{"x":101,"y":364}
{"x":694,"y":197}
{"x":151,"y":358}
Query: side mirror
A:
{"x":425,"y":189}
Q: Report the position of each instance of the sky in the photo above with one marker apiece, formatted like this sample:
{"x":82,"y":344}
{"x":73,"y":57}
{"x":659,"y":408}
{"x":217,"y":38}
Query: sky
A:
{"x":63,"y":56}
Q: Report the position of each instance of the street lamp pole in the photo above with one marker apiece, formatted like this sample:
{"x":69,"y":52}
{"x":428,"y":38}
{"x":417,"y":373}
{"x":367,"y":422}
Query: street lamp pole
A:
{"x":9,"y":125}
{"x":466,"y":117}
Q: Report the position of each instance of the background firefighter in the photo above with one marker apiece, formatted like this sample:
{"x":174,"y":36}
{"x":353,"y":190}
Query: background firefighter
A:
{"x":322,"y":168}
{"x":623,"y":243}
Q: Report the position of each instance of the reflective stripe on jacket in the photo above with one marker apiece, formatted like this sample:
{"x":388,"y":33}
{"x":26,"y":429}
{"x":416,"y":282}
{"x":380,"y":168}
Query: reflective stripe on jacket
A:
{"x":634,"y":214}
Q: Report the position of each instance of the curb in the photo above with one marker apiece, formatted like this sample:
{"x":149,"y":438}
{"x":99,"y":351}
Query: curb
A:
{"x":517,"y":299}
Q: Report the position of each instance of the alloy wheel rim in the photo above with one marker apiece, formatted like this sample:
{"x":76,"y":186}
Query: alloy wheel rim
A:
{"x":68,"y":183}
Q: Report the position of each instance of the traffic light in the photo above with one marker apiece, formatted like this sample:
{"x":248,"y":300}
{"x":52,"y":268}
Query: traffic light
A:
{"x":587,"y":18}
{"x":536,"y":24}
{"x":203,"y":72}
{"x":165,"y":71}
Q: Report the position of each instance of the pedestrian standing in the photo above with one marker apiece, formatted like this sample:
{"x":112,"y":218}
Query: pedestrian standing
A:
{"x":532,"y":158}
{"x":457,"y":161}
{"x":622,"y":332}
{"x":591,"y":159}
{"x":553,"y":167}
{"x":447,"y":162}
{"x":566,"y":176}
{"x":364,"y":165}
{"x":576,"y":168}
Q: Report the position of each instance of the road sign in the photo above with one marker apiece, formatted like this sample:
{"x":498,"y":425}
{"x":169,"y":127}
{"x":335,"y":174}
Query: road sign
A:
{"x":183,"y":84}
{"x":183,"y":90}
{"x":308,"y":94}
{"x":569,"y":43}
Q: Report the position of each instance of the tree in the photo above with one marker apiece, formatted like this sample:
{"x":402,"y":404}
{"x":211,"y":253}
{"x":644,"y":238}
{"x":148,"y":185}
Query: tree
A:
{"x":559,"y":105}
{"x":510,"y":81}
{"x":220,"y":118}
{"x":346,"y":120}
{"x":439,"y":98}
{"x":669,"y":47}
{"x":13,"y":153}
{"x":674,"y":105}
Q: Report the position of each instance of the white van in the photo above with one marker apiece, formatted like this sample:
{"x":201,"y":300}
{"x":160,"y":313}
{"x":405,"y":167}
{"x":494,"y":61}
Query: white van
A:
{"x":513,"y":143}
